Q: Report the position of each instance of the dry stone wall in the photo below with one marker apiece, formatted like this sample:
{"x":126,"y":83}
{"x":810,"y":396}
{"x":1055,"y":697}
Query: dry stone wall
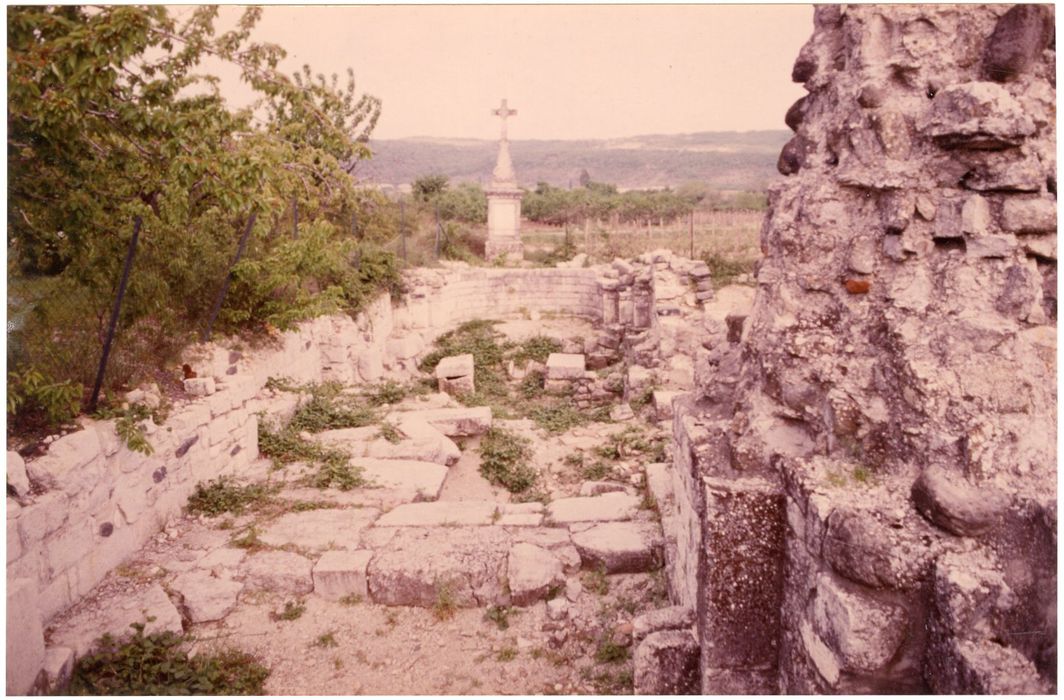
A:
{"x":89,"y":502}
{"x":878,"y":473}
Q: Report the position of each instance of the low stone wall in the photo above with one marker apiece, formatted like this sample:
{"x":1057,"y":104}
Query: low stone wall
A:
{"x":94,"y":502}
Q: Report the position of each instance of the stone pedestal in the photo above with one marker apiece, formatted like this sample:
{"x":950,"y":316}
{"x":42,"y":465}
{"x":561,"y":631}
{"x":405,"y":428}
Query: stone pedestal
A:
{"x":504,"y":224}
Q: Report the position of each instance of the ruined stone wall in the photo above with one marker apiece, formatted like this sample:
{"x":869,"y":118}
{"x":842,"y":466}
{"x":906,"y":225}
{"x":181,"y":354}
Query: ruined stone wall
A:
{"x":93,"y":502}
{"x":879,"y":504}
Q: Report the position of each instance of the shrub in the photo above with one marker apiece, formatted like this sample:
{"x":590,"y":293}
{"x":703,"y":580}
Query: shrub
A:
{"x":285,"y":446}
{"x":34,"y":399}
{"x":723,"y":271}
{"x":222,"y":496}
{"x":156,"y":664}
{"x":538,"y":348}
{"x":328,"y":409}
{"x":504,"y":460}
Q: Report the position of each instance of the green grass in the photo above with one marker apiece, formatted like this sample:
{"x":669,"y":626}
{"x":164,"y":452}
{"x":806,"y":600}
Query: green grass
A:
{"x":445,"y":604}
{"x":326,"y":641}
{"x":538,"y":348}
{"x":504,"y":460}
{"x":609,"y":652}
{"x":596,"y":581}
{"x":500,"y":615}
{"x":158,"y":664}
{"x":506,"y":654}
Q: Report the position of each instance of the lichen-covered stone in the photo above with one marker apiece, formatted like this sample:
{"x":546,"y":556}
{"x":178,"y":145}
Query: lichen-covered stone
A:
{"x":950,"y":502}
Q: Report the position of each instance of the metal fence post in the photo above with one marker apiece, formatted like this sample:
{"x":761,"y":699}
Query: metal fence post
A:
{"x":130,"y":252}
{"x":228,"y":276}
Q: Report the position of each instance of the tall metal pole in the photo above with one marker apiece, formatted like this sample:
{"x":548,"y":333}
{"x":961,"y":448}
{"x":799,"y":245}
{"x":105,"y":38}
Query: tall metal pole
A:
{"x":439,"y":230}
{"x":229,"y":276}
{"x":130,"y":252}
{"x":402,"y":227}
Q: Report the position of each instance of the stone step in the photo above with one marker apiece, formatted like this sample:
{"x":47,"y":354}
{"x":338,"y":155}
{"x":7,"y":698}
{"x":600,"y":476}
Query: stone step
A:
{"x":620,"y":547}
{"x":452,"y":422}
{"x":443,"y":513}
{"x":149,"y":606}
{"x":319,"y":530}
{"x":603,"y":508}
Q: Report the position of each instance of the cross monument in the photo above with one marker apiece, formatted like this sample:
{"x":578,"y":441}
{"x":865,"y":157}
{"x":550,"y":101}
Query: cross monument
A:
{"x":504,"y":200}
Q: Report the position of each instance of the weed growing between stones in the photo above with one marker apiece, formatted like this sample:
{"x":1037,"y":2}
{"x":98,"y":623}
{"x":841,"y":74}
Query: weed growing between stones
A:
{"x":327,"y":640}
{"x":129,"y":423}
{"x":351,"y":599}
{"x":293,"y":610}
{"x":557,"y":418}
{"x":631,"y":443}
{"x":500,"y":615}
{"x":506,"y":654}
{"x":504,"y":460}
{"x":445,"y":605}
{"x":285,"y":446}
{"x":249,"y":540}
{"x":597,"y":471}
{"x":596,"y":581}
{"x":330,"y":409}
{"x":390,"y":433}
{"x":538,"y":348}
{"x":609,"y":652}
{"x":221,"y":495}
{"x":157,"y":664}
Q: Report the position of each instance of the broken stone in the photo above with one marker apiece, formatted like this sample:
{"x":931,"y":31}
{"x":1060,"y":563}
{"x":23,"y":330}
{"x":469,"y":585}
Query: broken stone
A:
{"x":204,"y":597}
{"x":441,"y":513}
{"x":421,"y":566}
{"x":149,"y":606}
{"x":862,"y":258}
{"x":59,"y":666}
{"x":1019,"y":37}
{"x":567,"y":367}
{"x":532,"y":573}
{"x":17,"y":480}
{"x":1029,"y":215}
{"x":342,"y":573}
{"x":199,"y":386}
{"x":984,"y":667}
{"x":991,"y":247}
{"x":667,"y":663}
{"x":607,"y":507}
{"x":621,"y":547}
{"x":975,"y":216}
{"x":863,"y":632}
{"x":282,"y":572}
{"x":978,"y":115}
{"x":403,"y":479}
{"x":662,"y":401}
{"x":950,"y":502}
{"x":621,"y":412}
{"x":25,"y":636}
{"x":674,"y":617}
{"x":455,"y":422}
{"x":796,"y":114}
{"x":794,"y":155}
{"x":455,"y":374}
{"x":557,"y":609}
{"x":596,"y":488}
{"x":325,"y":528}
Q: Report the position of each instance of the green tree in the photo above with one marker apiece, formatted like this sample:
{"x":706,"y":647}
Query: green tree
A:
{"x":109,"y":117}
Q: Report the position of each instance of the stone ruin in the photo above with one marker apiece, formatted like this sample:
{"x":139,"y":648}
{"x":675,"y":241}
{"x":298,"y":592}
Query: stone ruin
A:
{"x":861,"y":496}
{"x":866,"y":495}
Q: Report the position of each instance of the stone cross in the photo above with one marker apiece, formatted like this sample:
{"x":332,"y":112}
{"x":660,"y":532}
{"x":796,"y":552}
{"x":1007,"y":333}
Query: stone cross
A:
{"x":503,"y":112}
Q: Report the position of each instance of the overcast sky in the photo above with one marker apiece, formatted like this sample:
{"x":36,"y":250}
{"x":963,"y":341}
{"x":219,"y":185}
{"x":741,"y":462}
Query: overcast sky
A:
{"x":586,"y":71}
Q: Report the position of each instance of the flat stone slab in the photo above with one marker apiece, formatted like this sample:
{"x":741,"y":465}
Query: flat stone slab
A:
{"x":604,"y":508}
{"x":327,"y":528}
{"x":420,"y":442}
{"x":532,"y":572}
{"x":340,"y":573}
{"x":204,"y":597}
{"x":441,"y":513}
{"x":621,"y":547}
{"x":282,"y":572}
{"x":463,"y":566}
{"x":403,"y":479}
{"x":149,"y":606}
{"x":565,"y":366}
{"x":662,"y":399}
{"x":455,"y":367}
{"x":453,"y":422}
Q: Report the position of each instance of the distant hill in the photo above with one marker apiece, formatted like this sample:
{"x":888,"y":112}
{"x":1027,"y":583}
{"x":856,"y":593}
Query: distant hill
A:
{"x":724,"y":159}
